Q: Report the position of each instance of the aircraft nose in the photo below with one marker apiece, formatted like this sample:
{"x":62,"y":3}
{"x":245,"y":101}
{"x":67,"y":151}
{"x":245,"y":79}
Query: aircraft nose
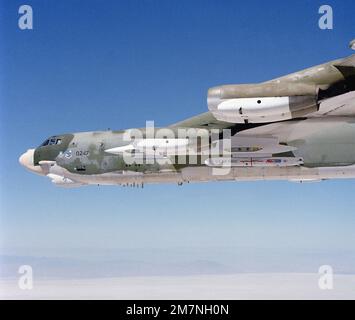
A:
{"x":26,"y":160}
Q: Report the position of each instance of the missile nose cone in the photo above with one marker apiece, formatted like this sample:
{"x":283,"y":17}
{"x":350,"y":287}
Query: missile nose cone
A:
{"x":26,"y":160}
{"x":21,"y":159}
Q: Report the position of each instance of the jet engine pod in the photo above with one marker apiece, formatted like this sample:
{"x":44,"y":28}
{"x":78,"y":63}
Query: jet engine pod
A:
{"x":260,"y":103}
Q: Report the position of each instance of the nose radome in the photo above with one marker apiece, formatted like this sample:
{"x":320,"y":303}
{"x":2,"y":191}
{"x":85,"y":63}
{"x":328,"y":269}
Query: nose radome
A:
{"x":26,"y":160}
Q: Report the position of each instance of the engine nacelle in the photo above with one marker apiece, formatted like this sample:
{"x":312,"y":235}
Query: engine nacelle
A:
{"x":260,"y":103}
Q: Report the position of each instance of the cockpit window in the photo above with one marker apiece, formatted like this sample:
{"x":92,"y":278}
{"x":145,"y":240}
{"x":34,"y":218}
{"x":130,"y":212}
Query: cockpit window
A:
{"x":45,"y":143}
{"x":51,"y":141}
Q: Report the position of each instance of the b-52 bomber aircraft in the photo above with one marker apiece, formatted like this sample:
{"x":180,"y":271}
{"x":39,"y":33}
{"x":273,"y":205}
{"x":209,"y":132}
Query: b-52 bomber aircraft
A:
{"x":299,"y":127}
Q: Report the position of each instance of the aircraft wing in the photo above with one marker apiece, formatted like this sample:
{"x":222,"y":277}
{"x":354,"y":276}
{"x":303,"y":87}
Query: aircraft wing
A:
{"x":342,"y":105}
{"x":204,"y":120}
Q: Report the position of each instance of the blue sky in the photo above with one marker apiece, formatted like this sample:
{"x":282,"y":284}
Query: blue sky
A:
{"x":95,"y":65}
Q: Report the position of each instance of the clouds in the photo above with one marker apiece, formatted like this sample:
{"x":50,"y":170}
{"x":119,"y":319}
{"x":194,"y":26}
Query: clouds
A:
{"x":236,"y":286}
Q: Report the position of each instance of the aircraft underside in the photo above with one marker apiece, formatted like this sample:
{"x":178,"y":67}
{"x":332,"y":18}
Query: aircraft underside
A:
{"x":203,"y":174}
